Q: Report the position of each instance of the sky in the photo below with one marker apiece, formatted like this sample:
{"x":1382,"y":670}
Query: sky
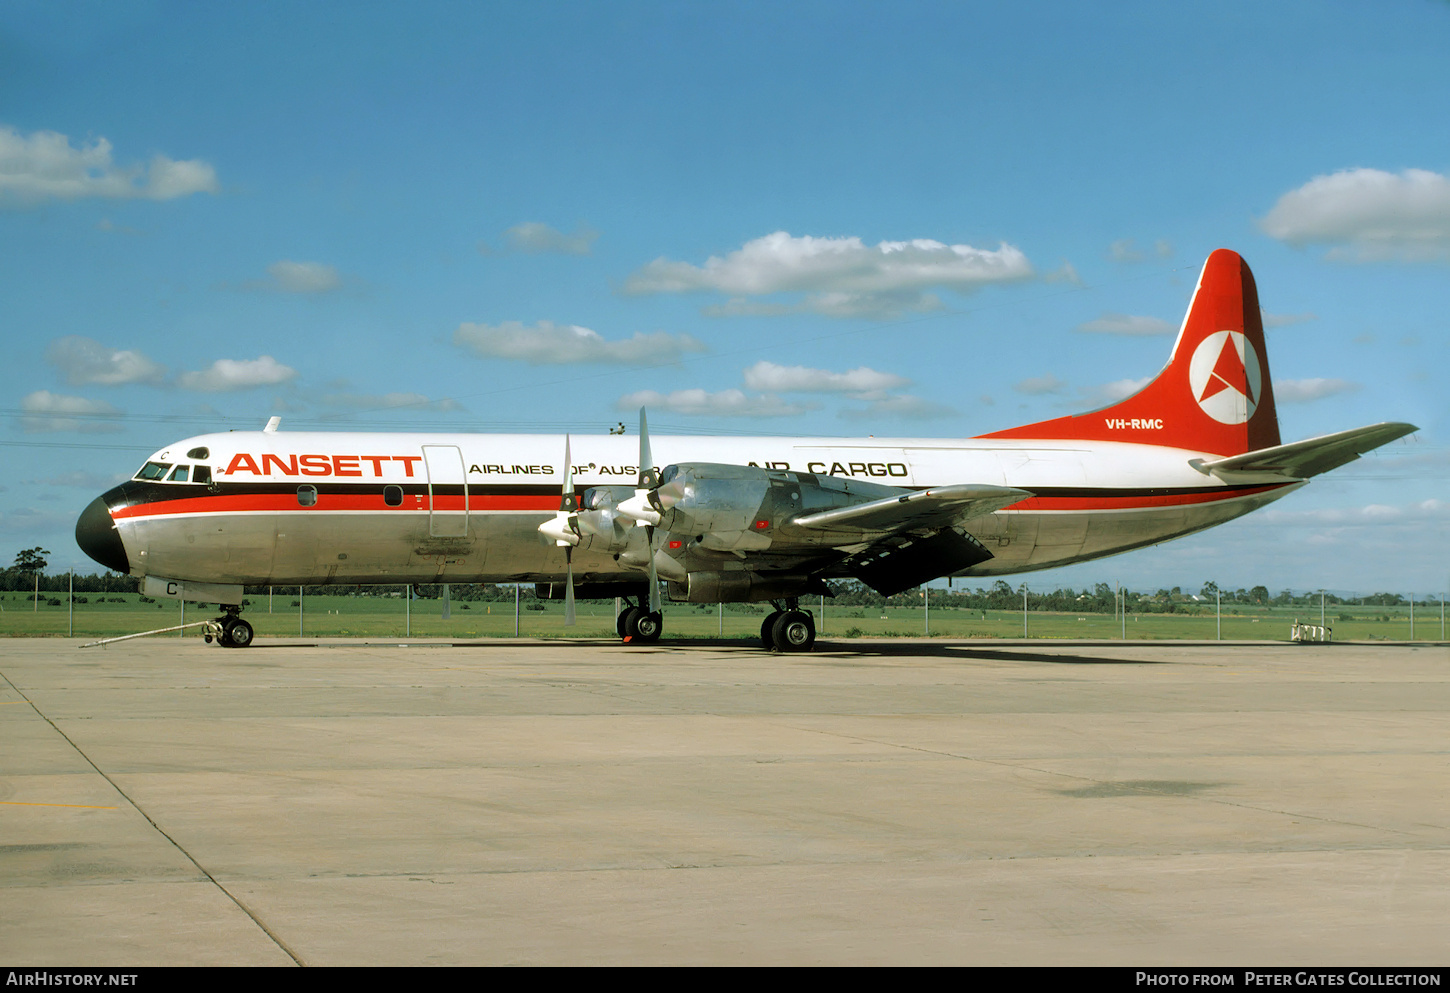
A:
{"x":908,"y":219}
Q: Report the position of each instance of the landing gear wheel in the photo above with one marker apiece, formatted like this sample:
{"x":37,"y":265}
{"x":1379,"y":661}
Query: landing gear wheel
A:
{"x":621,"y":623}
{"x":767,"y":628}
{"x":237,"y":634}
{"x":794,"y":631}
{"x":645,"y":627}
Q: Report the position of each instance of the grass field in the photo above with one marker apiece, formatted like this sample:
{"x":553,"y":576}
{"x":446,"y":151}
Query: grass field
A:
{"x":388,"y":617}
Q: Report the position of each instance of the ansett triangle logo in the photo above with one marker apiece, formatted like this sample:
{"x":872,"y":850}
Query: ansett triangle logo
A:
{"x":1226,"y":377}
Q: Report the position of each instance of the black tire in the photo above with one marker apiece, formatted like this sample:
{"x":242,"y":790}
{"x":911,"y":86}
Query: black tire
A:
{"x":621,"y":623}
{"x":237,"y":634}
{"x":794,"y":631}
{"x":645,"y":628}
{"x":767,"y":629}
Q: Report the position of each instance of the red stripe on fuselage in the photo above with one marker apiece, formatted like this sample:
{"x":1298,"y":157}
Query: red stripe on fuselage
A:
{"x":286,"y":503}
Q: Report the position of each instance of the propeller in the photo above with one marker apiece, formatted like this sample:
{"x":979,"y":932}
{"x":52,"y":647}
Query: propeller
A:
{"x":638,"y":508}
{"x":563,"y":528}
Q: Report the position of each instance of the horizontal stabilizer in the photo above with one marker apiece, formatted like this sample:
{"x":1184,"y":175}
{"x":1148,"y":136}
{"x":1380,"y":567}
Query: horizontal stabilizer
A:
{"x":938,"y":507}
{"x":1304,"y":459}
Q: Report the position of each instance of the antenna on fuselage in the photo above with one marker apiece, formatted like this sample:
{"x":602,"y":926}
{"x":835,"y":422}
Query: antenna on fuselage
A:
{"x":272,"y":423}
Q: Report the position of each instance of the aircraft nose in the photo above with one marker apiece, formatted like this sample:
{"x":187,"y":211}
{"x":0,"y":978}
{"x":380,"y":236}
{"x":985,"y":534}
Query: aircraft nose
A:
{"x":96,"y":534}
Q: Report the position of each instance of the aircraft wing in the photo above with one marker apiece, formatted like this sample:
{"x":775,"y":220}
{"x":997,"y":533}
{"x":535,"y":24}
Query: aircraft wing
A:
{"x":1304,"y":459}
{"x":938,"y":507}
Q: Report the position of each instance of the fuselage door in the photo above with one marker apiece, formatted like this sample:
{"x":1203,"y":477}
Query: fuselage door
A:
{"x":447,"y":491}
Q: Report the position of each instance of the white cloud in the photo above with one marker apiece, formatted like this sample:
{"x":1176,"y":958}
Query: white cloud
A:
{"x":1123,"y":251}
{"x":388,"y":401}
{"x":1127,"y":324}
{"x":1039,"y":385}
{"x":1064,"y":274}
{"x":534,"y":238}
{"x":1121,"y":389}
{"x":1305,"y":390}
{"x":237,"y":374}
{"x":868,"y":305}
{"x":44,"y":166}
{"x":286,"y":276}
{"x":843,"y":277}
{"x":46,"y":411}
{"x":741,"y":307}
{"x":83,"y":479}
{"x":547,"y":343}
{"x":901,"y":405}
{"x":1285,"y":320}
{"x":1368,"y":215}
{"x":769,"y":377}
{"x":726,"y":403}
{"x":1109,"y":393}
{"x":1370,"y":514}
{"x":84,"y":360}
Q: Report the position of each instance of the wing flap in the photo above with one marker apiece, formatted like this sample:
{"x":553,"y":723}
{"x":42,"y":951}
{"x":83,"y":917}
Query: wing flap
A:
{"x":938,"y":507}
{"x":1303,"y":459}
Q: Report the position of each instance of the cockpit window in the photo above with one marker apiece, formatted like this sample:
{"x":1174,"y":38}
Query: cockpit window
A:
{"x":202,"y":474}
{"x":153,"y":470}
{"x":198,"y":453}
{"x":178,"y":475}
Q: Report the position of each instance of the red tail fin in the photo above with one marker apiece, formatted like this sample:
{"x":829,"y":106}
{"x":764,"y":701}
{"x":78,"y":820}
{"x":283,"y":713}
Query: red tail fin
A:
{"x":1213,"y":396}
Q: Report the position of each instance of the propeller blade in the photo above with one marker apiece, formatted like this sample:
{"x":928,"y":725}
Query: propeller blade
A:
{"x":569,"y":588}
{"x":647,"y":477}
{"x":566,"y":500}
{"x":566,"y":535}
{"x":654,"y":577}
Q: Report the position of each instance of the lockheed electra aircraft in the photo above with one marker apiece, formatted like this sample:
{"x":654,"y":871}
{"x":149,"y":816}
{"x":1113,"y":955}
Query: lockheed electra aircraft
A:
{"x":726,"y":519}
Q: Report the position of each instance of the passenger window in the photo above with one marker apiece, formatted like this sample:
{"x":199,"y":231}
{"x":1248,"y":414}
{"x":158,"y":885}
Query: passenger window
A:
{"x":307,"y":495}
{"x":393,"y":496}
{"x":153,"y":470}
{"x":202,"y":474}
{"x":178,"y":475}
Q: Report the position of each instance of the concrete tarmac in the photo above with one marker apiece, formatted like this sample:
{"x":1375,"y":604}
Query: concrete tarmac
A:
{"x":165,"y":802}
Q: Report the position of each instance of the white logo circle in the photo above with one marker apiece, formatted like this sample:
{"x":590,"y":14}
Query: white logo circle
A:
{"x":1225,"y":377}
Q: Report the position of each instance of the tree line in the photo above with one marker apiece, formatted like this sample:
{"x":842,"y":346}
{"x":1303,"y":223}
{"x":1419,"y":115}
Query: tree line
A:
{"x":30,"y":564}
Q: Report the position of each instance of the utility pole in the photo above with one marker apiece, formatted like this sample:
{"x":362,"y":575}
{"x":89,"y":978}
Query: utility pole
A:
{"x":1024,"y":610}
{"x":1218,"y":613}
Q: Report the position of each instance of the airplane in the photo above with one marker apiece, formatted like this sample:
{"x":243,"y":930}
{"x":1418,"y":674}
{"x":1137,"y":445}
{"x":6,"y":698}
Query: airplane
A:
{"x":726,"y":519}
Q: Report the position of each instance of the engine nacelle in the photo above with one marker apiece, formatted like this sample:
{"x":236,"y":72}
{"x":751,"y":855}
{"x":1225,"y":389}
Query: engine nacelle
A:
{"x":727,"y":508}
{"x":740,"y":586}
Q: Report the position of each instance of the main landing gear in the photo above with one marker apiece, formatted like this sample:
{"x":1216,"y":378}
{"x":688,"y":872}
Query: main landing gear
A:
{"x":229,"y":630}
{"x":638,"y":625}
{"x":788,"y":628}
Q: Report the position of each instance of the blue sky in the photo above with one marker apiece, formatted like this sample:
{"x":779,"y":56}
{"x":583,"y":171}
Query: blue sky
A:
{"x":924,"y":219}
